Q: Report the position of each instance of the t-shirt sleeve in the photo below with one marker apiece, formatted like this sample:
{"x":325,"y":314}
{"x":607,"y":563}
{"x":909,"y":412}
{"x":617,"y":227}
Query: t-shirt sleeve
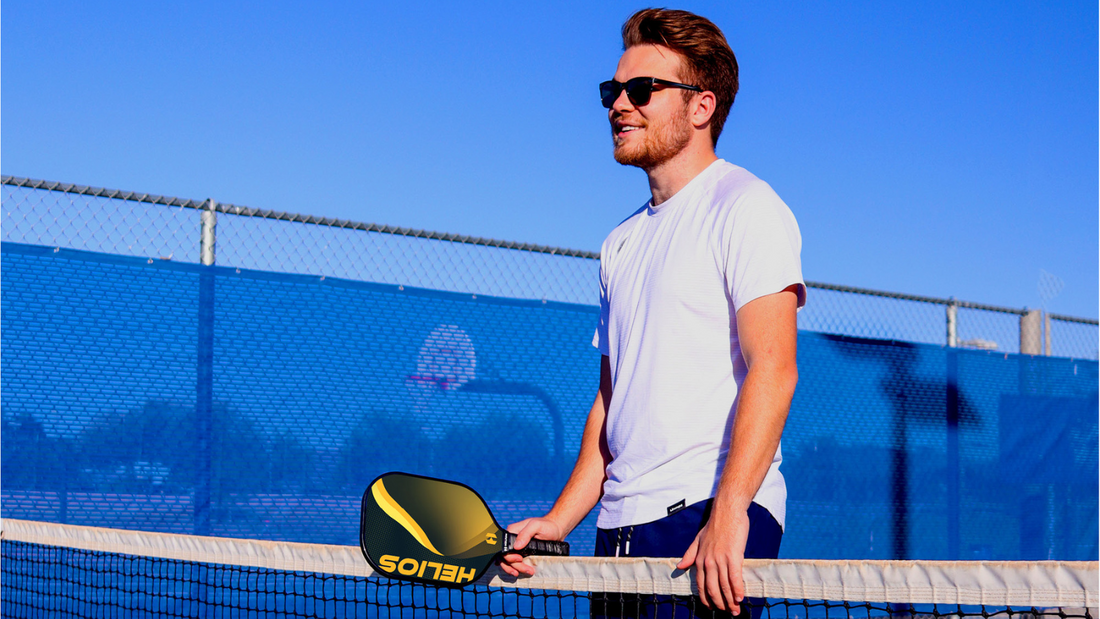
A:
{"x":599,"y":340}
{"x":760,"y":247}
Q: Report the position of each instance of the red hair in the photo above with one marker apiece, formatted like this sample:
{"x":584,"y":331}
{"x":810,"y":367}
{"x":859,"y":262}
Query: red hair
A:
{"x":709,"y":62}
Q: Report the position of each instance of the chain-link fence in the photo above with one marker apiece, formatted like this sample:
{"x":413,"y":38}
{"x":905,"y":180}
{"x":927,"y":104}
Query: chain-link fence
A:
{"x":188,"y":366}
{"x":164,"y":228}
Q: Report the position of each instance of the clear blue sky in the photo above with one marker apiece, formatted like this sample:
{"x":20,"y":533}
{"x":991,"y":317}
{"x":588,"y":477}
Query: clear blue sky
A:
{"x":945,"y":149}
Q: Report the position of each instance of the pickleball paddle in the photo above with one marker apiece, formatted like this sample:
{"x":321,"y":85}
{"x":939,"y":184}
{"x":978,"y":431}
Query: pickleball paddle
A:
{"x":434,"y":531}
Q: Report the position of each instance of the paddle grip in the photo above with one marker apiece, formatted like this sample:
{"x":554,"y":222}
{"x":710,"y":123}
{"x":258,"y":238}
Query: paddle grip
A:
{"x":536,"y":546}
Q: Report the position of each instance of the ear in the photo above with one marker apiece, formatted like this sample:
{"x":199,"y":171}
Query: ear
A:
{"x":702,"y":108}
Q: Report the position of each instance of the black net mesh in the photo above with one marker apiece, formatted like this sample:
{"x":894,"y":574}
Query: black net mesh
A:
{"x":41,"y":581}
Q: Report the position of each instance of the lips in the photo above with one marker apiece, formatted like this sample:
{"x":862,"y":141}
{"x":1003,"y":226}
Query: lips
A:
{"x":619,"y":129}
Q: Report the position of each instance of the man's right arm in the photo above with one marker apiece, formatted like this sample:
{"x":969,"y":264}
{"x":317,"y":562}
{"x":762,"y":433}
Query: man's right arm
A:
{"x":582,"y":491}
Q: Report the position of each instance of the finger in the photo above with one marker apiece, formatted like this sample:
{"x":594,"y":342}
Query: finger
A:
{"x":738,"y":582}
{"x":508,"y":563}
{"x":514,"y":565}
{"x":524,"y":568}
{"x":715,"y":575}
{"x":725,"y":582}
{"x":701,"y":582}
{"x":689,"y":557}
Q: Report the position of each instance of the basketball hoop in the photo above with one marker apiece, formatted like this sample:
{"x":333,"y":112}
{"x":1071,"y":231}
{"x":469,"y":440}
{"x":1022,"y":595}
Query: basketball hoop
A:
{"x":446,"y":361}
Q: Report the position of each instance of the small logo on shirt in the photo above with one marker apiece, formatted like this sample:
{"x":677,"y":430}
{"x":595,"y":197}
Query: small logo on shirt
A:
{"x":672,"y":509}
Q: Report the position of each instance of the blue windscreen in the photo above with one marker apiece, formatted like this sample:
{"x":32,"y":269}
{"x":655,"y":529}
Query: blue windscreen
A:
{"x":171,"y":397}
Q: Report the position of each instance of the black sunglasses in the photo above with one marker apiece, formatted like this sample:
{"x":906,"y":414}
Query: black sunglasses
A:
{"x":638,"y":89}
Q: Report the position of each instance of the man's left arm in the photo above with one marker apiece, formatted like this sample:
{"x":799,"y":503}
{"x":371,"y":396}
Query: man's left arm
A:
{"x":767,"y":331}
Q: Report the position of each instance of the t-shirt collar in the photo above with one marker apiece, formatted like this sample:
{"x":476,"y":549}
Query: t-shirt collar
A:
{"x":686,"y":192}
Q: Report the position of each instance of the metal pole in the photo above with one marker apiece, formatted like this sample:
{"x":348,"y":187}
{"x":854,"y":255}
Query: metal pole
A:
{"x":204,"y":379}
{"x":952,"y":324}
{"x":206,"y":243}
{"x":1031,"y":332}
{"x":1046,"y":333}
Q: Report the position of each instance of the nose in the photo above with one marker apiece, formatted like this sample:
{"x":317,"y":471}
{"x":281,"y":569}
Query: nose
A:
{"x":622,"y":103}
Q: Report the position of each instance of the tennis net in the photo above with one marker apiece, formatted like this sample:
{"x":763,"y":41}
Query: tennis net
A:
{"x":67,"y":570}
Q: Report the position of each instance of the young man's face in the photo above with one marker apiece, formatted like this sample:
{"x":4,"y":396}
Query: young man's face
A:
{"x":648,"y":135}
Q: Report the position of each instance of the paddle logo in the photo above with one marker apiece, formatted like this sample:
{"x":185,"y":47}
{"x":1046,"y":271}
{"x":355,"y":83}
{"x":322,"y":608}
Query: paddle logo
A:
{"x":428,"y":530}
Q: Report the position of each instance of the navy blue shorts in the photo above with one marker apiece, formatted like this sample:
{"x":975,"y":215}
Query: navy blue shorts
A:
{"x":670,"y":537}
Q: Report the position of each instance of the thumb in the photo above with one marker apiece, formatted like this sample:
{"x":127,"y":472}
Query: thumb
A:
{"x":523,"y":537}
{"x":689,"y":557}
{"x":516,"y":527}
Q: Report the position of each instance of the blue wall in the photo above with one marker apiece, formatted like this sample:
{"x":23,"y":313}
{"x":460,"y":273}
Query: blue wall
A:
{"x":891,"y":449}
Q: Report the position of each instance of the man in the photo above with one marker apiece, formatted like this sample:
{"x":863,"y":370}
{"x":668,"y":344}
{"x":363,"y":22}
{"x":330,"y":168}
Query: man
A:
{"x":699,"y":291}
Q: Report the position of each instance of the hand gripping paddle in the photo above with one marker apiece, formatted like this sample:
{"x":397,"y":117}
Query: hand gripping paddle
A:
{"x":434,"y":531}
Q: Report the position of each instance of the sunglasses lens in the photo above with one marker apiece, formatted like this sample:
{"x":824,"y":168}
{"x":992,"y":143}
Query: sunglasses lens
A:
{"x":639,"y":90}
{"x":609,"y":91}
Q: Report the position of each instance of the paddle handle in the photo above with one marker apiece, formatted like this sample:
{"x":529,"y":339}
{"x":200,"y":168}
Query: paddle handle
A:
{"x":536,"y":546}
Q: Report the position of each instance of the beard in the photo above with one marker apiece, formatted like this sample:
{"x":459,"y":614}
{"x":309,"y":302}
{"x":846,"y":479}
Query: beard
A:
{"x":662,"y":142}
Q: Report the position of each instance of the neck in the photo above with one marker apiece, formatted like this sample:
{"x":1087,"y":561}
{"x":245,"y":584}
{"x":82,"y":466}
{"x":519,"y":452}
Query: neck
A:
{"x":669,"y":177}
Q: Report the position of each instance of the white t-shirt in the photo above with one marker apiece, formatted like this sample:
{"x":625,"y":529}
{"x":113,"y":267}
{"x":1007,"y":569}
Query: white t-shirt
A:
{"x":672,"y":278}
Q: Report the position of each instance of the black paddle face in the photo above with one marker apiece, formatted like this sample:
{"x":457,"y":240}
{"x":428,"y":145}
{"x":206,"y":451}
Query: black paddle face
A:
{"x":428,"y":530}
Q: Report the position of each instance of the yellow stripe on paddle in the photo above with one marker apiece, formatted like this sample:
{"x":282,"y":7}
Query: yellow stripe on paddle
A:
{"x":398,"y":513}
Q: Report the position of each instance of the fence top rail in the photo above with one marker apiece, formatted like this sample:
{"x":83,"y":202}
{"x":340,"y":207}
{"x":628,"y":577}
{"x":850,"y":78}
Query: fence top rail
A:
{"x":920,"y":299}
{"x":332,"y":222}
{"x":1084,"y":321}
{"x":245,"y":211}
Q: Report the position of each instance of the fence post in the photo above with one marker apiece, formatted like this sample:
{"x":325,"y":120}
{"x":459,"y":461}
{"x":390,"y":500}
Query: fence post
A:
{"x":953,"y":478}
{"x":204,"y":379}
{"x":206,"y":242}
{"x":952,"y":323}
{"x":1031,"y":332}
{"x":1046,"y":333}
